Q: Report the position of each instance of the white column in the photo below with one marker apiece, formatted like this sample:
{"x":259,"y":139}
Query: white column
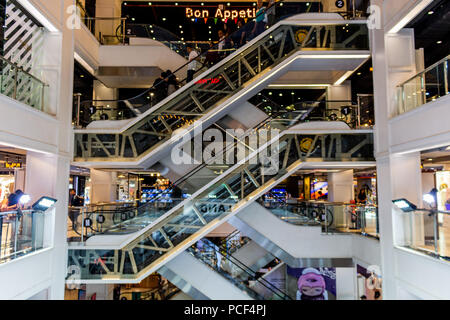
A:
{"x":103,"y":186}
{"x":48,"y":175}
{"x":340,"y":189}
{"x":102,"y":92}
{"x":406,"y":177}
{"x":345,"y":284}
{"x":108,"y":9}
{"x":340,"y":186}
{"x":341,"y":92}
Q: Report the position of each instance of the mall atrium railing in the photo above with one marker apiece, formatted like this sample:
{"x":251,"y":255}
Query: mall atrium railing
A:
{"x":21,"y":85}
{"x":21,"y":233}
{"x":425,"y":87}
{"x":118,"y":219}
{"x":332,"y":217}
{"x":426,"y":231}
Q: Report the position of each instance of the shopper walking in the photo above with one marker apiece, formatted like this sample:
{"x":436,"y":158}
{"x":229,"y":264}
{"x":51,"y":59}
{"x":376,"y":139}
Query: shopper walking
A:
{"x":192,"y":66}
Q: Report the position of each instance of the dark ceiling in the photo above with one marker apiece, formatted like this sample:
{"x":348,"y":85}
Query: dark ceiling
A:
{"x":432,"y":31}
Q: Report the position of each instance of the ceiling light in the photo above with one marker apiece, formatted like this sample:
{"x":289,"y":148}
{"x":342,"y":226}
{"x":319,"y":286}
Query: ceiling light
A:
{"x":430,"y":12}
{"x":439,"y":42}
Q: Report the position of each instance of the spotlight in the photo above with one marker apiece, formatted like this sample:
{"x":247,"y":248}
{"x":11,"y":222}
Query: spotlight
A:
{"x":24,"y":199}
{"x":428,"y":198}
{"x":44,"y":203}
{"x":404,"y":205}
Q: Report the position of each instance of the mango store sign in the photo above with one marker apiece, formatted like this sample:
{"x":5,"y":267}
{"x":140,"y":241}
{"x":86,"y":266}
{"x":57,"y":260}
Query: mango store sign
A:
{"x":221,"y":13}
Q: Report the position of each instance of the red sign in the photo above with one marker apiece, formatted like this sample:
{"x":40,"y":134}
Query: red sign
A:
{"x":210,"y":80}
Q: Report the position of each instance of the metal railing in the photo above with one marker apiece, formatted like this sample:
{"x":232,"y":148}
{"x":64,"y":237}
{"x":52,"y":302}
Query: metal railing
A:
{"x":21,"y":233}
{"x":113,"y":218}
{"x":332,"y":217}
{"x":425,"y":87}
{"x":21,"y":85}
{"x":426,"y":231}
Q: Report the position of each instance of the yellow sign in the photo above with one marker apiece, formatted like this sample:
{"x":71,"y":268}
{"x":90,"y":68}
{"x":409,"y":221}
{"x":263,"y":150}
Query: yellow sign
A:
{"x":13,"y":165}
{"x":221,"y":13}
{"x":305,"y":144}
{"x":300,"y":35}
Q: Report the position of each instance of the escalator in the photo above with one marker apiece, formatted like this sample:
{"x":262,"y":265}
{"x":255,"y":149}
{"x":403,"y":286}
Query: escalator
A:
{"x":145,"y":251}
{"x":220,"y":276}
{"x":147,"y":138}
{"x":291,"y":240}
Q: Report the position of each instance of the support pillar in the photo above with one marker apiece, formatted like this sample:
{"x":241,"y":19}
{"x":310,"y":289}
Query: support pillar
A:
{"x":103,"y":186}
{"x":48,"y":175}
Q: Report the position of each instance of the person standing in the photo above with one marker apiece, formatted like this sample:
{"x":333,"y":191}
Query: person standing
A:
{"x":192,"y":66}
{"x":270,"y":12}
{"x":172,"y":84}
{"x":160,"y":87}
{"x":261,"y":19}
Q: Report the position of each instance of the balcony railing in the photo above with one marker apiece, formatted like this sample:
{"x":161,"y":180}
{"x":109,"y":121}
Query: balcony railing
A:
{"x":332,"y":217}
{"x":426,"y":231}
{"x":20,"y":85}
{"x":21,"y":233}
{"x":427,"y":86}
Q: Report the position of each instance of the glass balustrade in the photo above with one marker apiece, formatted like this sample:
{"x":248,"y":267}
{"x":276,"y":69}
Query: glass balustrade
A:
{"x":235,"y":271}
{"x":427,"y":86}
{"x":331,"y":217}
{"x":21,"y":233}
{"x":427,"y":231}
{"x":20,"y":85}
{"x":242,"y":183}
{"x":114,"y":219}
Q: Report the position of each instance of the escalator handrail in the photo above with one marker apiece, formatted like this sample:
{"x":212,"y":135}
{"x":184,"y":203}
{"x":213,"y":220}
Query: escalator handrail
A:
{"x":247,"y":270}
{"x":259,"y":125}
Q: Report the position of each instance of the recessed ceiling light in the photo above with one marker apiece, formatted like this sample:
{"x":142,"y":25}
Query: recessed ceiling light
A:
{"x":430,"y":12}
{"x":430,"y":159}
{"x":359,"y":73}
{"x":439,"y":42}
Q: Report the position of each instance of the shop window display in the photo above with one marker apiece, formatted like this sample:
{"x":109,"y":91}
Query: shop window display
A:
{"x":443,"y":194}
{"x":6,"y":188}
{"x":369,"y":284}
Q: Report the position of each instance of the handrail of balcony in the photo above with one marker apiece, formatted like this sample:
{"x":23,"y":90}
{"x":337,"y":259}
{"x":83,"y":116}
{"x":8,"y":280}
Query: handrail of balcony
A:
{"x":426,"y":86}
{"x":13,"y":85}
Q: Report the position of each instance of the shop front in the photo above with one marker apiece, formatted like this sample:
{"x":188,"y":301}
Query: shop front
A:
{"x":12,"y":175}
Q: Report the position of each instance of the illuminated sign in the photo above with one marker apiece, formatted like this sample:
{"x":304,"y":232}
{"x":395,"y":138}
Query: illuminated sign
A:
{"x":221,"y":13}
{"x":210,"y":80}
{"x":13,"y":165}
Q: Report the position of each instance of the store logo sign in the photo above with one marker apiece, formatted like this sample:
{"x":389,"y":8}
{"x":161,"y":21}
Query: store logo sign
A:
{"x":210,"y":80}
{"x":221,"y":13}
{"x":13,"y":165}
